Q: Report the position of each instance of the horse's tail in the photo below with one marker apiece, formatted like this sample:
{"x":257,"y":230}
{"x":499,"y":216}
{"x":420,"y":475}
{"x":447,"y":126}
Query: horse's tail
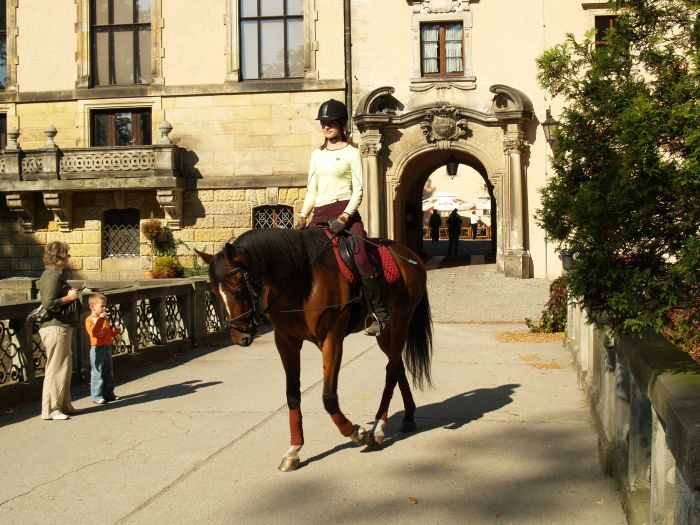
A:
{"x":419,"y":344}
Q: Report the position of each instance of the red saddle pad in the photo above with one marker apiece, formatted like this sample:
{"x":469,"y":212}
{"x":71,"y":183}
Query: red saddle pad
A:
{"x":383,"y":260}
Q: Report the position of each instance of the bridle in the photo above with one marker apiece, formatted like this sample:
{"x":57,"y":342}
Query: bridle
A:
{"x":255,"y":313}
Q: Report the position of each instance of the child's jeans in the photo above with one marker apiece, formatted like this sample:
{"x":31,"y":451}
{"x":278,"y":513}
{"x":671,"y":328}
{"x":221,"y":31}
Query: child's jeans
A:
{"x":101,"y":379}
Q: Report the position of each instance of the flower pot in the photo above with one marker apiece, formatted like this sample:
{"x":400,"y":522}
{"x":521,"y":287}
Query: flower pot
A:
{"x":148,"y":274}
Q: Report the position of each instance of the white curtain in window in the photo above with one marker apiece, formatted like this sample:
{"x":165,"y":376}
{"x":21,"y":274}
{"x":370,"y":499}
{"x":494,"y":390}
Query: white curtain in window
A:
{"x":430,"y":36}
{"x":453,"y":48}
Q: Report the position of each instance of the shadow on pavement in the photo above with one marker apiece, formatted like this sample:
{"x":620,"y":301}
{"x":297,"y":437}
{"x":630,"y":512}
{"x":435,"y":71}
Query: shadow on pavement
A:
{"x":155,"y":394}
{"x":453,"y":412}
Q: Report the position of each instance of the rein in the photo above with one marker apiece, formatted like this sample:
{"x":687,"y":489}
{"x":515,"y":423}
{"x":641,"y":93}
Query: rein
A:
{"x":256,"y":312}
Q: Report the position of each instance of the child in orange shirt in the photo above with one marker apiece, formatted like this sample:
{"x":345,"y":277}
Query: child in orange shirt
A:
{"x":101,"y":334}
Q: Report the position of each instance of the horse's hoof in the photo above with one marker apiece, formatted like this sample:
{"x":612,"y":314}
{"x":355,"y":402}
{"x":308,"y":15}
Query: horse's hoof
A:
{"x":288,"y":464}
{"x":359,"y":436}
{"x":375,"y":442}
{"x":408,"y":426}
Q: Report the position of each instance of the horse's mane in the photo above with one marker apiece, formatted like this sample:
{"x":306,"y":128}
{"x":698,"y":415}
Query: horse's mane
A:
{"x":282,"y":255}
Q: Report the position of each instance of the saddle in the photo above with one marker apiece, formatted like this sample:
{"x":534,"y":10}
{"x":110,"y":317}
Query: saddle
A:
{"x":379,"y":255}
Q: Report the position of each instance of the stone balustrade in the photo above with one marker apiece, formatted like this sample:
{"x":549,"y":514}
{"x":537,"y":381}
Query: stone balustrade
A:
{"x":154,"y":317}
{"x":644,"y":398}
{"x":56,"y":174}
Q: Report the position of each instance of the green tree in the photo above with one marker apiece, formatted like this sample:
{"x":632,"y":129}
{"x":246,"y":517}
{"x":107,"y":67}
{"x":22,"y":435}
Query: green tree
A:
{"x":625,"y":195}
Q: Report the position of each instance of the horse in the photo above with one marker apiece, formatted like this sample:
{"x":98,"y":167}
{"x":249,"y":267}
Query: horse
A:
{"x":294,"y":279}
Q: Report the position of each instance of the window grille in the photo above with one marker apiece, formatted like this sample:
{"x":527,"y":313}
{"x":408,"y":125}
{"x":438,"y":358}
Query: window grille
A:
{"x":121,"y":233}
{"x":273,"y":217}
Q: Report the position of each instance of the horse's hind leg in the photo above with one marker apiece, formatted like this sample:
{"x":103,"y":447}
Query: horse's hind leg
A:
{"x":289,"y":352}
{"x":332,"y":356}
{"x":409,"y":422}
{"x":377,"y":436}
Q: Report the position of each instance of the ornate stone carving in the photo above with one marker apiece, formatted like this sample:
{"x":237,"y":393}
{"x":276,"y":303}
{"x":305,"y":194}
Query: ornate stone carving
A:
{"x":444,"y":124}
{"x":170,"y":199}
{"x":515,"y":146}
{"x":370,"y":149}
{"x":32,"y":164}
{"x":24,"y":205}
{"x":442,"y":6}
{"x":132,"y":160}
{"x":61,"y":205}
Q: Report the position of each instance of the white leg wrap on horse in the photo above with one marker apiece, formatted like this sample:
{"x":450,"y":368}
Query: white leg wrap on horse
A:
{"x":378,"y":428}
{"x":293,"y":451}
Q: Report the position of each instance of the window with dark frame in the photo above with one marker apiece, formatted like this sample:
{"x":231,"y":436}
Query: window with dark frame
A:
{"x":120,"y":233}
{"x":3,"y":44}
{"x":441,"y":49}
{"x":603,"y":26}
{"x":271,"y":39}
{"x":120,"y":42}
{"x":3,"y":131}
{"x":280,"y":216}
{"x":120,"y":127}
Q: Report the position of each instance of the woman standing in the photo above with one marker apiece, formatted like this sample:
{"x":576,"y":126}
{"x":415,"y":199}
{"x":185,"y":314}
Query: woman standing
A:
{"x":56,"y":333}
{"x":334,"y":192}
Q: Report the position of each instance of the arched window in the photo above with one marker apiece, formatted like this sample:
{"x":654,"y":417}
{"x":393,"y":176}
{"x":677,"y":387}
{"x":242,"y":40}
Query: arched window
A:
{"x":279,"y":216}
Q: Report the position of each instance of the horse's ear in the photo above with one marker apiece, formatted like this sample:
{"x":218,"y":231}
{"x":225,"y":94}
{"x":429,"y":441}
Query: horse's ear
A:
{"x":206,"y":257}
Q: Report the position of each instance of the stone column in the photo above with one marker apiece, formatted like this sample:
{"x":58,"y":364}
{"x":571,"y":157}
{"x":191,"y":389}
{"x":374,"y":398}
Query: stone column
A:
{"x":373,"y":187}
{"x":517,"y":259}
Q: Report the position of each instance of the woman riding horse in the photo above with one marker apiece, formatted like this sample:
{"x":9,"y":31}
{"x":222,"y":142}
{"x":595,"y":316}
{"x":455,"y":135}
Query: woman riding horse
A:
{"x":334,"y":192}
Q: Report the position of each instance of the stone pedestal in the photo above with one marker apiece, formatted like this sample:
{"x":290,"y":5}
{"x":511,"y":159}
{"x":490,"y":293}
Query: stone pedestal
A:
{"x":517,"y":264}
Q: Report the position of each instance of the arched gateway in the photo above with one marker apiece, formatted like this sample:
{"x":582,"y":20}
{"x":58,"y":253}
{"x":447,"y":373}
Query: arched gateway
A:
{"x":401,"y":146}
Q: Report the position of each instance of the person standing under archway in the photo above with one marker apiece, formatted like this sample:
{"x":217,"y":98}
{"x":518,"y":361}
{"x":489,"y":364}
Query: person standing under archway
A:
{"x":454,"y":227}
{"x":435,"y":223}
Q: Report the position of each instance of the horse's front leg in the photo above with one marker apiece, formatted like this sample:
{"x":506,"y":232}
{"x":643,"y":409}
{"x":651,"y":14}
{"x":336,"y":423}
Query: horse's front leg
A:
{"x":332,"y":349}
{"x":289,"y":351}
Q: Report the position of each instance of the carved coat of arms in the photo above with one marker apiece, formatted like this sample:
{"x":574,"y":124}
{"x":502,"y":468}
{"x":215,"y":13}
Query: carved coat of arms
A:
{"x":444,"y":124}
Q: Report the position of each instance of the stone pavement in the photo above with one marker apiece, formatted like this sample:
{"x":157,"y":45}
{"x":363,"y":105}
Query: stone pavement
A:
{"x":504,"y":437}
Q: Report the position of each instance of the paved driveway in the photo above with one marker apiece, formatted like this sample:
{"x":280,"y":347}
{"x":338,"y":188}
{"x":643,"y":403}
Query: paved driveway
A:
{"x":503,"y":438}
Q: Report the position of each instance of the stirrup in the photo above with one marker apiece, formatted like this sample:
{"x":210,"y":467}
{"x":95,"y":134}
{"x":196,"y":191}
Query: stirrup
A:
{"x":372,"y":318}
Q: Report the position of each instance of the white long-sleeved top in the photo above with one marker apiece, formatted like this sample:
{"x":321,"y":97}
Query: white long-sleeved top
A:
{"x":334,"y":175}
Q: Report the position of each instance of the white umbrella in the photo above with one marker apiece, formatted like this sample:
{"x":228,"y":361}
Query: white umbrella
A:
{"x":444,"y":201}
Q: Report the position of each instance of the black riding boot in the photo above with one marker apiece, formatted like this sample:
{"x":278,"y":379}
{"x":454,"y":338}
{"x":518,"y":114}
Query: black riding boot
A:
{"x":379,"y":315}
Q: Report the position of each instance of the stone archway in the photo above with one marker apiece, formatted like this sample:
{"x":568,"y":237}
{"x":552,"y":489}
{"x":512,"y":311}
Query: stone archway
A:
{"x":398,"y":144}
{"x":414,"y":172}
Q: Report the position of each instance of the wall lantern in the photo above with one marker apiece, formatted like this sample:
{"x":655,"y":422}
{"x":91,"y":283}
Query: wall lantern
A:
{"x":452,"y":165}
{"x":549,"y":126}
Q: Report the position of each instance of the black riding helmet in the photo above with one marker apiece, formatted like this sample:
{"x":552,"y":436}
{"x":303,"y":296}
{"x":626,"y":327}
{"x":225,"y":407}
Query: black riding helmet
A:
{"x":332,"y":110}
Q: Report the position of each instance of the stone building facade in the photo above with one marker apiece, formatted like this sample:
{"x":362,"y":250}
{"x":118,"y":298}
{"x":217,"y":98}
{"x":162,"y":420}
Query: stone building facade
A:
{"x":202,"y":114}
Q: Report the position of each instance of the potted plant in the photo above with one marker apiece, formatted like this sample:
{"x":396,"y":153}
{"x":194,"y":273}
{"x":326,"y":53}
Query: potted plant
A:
{"x":157,"y":238}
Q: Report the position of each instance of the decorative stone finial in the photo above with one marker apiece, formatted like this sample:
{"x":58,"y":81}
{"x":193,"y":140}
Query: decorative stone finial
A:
{"x":12,"y":136}
{"x":50,"y":133}
{"x":165,"y":128}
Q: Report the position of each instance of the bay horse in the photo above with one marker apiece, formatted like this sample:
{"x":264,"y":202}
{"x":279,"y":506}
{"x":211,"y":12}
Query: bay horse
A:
{"x":293,"y":278}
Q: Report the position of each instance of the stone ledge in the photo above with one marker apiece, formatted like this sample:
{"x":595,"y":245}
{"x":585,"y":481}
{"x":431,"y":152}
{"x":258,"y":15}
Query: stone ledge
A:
{"x":671,"y":380}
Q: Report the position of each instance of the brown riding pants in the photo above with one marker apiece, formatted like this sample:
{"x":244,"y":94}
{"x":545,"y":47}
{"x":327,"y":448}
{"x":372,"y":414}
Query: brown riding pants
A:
{"x":330,"y":212}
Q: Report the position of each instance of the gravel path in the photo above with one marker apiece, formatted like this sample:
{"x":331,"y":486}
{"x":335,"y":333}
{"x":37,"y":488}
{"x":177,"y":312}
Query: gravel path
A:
{"x":480,"y":293}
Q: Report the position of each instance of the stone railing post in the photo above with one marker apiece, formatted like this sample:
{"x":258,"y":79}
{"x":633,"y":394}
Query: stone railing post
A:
{"x":200,"y":286}
{"x":13,"y":164}
{"x":130,"y":317}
